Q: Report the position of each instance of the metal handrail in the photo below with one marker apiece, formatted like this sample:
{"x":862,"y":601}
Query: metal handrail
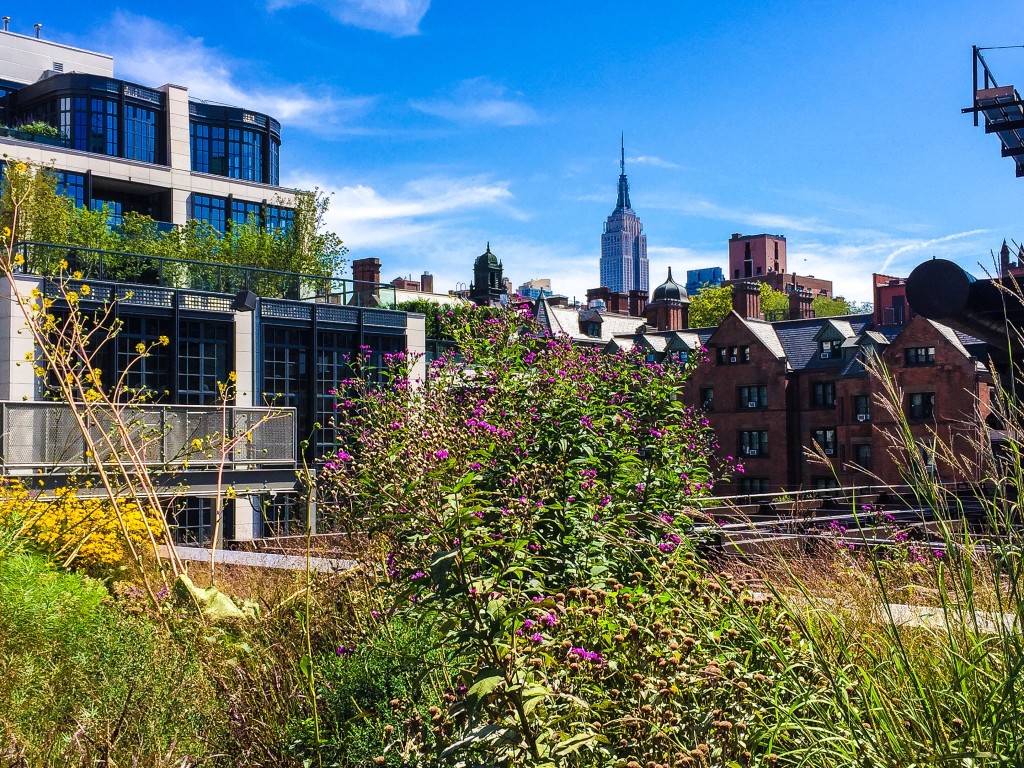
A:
{"x":45,"y":260}
{"x":44,"y":435}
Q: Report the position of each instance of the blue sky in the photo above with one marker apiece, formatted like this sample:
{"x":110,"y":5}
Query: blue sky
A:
{"x":439,"y":126}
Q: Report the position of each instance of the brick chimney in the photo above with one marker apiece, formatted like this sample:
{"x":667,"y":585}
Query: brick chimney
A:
{"x":801,"y":305}
{"x":637,"y":303}
{"x":427,"y":282}
{"x":366,"y":276}
{"x":618,"y":303}
{"x":602,"y":293}
{"x":746,"y":300}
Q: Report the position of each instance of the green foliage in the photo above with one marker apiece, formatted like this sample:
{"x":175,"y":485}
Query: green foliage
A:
{"x":774,"y":304}
{"x":444,"y":319}
{"x":306,"y":247}
{"x":378,"y":692}
{"x":79,"y":678}
{"x":710,"y":306}
{"x":40,"y":128}
{"x":825,"y":307}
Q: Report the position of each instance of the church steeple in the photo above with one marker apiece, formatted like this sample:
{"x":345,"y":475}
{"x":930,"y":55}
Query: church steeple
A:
{"x":623,"y":202}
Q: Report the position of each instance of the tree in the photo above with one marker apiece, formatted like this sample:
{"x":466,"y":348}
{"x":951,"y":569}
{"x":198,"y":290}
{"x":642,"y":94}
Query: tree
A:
{"x":826,"y":307}
{"x":45,"y":215}
{"x":710,"y":306}
{"x":774,"y":304}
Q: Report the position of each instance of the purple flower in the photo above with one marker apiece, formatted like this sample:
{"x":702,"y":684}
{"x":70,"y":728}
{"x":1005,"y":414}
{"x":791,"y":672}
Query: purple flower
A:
{"x":344,"y":650}
{"x":418,"y":575}
{"x":586,"y":655}
{"x":537,"y":637}
{"x":442,"y":454}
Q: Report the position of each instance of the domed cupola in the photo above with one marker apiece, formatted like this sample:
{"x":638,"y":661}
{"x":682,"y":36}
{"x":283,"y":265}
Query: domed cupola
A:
{"x":670,"y":290}
{"x":488,"y":286}
{"x":669,"y":309}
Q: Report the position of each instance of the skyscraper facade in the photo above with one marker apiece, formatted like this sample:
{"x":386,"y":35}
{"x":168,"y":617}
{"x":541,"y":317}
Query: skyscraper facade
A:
{"x":624,"y":265}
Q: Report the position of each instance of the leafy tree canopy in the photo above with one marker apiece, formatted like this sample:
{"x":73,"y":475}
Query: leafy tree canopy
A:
{"x":307,"y":246}
{"x":826,"y":307}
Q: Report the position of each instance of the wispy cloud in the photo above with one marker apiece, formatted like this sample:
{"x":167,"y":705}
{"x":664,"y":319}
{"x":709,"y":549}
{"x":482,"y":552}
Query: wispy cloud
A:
{"x":654,"y":160}
{"x":479,"y":100}
{"x":398,"y":18}
{"x":921,"y":244}
{"x":367,"y":217}
{"x":151,"y":52}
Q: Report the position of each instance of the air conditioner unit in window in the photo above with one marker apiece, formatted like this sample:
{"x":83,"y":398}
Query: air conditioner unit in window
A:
{"x":752,"y":452}
{"x":826,"y":355}
{"x":752,"y":404}
{"x":732,"y":359}
{"x":829,"y":451}
{"x":862,"y":417}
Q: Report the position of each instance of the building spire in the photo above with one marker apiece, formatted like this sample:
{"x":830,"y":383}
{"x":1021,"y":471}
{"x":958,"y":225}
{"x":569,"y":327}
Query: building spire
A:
{"x":622,"y":204}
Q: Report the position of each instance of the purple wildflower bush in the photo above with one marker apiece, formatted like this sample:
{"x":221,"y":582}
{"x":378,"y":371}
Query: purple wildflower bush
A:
{"x":533,"y":502}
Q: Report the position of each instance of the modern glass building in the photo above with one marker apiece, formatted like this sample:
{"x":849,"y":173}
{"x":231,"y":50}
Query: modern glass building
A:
{"x":134,"y":147}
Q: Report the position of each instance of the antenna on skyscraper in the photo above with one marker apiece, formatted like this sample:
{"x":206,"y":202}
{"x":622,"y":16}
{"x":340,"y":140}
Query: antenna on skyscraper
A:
{"x":622,"y":159}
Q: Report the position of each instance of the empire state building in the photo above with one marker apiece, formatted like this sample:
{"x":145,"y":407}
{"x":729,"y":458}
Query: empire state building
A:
{"x":624,"y":265}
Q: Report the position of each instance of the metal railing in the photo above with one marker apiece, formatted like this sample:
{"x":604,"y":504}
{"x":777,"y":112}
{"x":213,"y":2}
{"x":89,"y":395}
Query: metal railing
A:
{"x":49,"y":260}
{"x":46,"y":436}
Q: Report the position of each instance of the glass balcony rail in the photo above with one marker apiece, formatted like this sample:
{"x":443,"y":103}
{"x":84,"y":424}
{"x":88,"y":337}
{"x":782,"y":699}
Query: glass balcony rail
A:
{"x":45,"y":260}
{"x":37,"y":436}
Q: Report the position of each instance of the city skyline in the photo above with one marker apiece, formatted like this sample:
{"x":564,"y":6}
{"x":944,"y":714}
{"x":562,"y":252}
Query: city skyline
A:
{"x":438,"y":128}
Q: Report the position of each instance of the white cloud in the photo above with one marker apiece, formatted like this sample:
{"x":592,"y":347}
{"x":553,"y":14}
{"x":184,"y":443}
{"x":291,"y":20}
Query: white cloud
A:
{"x":479,"y":100}
{"x":417,"y":212}
{"x":398,"y":18}
{"x":657,"y":162}
{"x":153,"y":53}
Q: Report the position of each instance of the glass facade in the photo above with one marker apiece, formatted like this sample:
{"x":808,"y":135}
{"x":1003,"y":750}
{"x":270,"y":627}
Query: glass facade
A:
{"x":71,"y":185}
{"x":204,"y":348}
{"x":139,"y":133}
{"x":115,"y":210}
{"x":243,"y":212}
{"x":232,"y":142}
{"x":210,"y":209}
{"x":149,"y":376}
{"x":279,"y":218}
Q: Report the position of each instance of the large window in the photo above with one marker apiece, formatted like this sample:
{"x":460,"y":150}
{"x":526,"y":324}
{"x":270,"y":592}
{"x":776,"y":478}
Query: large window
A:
{"x":823,"y":394}
{"x":754,"y":443}
{"x":245,"y":155}
{"x":754,"y":484}
{"x":283,"y":514}
{"x":707,"y":398}
{"x":148,"y":376}
{"x":102,"y":131}
{"x":921,"y":405}
{"x":279,"y":218}
{"x":203,"y":351}
{"x":286,"y":372}
{"x":244,"y":213}
{"x":115,"y":210}
{"x":733,"y":355}
{"x":71,"y":185}
{"x":826,"y":440}
{"x":210,"y":209}
{"x":862,"y":455}
{"x":862,"y":407}
{"x":333,"y":355}
{"x":920,"y":355}
{"x":755,"y":396}
{"x":139,"y":133}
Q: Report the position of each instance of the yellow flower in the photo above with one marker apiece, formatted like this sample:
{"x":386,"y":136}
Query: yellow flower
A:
{"x":164,"y":341}
{"x":197,"y":444}
{"x":85,"y":289}
{"x":140,"y":348}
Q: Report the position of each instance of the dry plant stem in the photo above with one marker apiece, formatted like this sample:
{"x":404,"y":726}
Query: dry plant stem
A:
{"x":73,"y":385}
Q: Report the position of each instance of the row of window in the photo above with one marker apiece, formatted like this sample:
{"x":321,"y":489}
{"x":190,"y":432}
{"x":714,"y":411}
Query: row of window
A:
{"x":233,"y":152}
{"x":754,"y":444}
{"x":218,"y":212}
{"x":755,"y":397}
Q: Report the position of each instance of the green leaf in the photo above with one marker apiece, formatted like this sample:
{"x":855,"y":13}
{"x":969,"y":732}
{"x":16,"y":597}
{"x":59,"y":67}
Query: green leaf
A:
{"x":484,"y":685}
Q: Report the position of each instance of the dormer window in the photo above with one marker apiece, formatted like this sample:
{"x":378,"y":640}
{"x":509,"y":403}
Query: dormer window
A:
{"x":733,"y":355}
{"x":829,"y":348}
{"x":592,"y":329}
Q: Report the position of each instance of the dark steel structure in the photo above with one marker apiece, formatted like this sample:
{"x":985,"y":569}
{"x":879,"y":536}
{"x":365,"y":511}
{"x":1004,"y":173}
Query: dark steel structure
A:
{"x":1002,"y":107}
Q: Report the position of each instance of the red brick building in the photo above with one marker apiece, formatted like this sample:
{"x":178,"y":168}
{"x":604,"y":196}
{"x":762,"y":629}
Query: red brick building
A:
{"x":795,"y":402}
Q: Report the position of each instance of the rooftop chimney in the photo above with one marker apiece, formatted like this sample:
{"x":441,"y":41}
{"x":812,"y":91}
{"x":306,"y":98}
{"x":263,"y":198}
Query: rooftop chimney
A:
{"x":746,"y":300}
{"x":637,"y":302}
{"x":427,"y":282}
{"x":366,"y":275}
{"x":39,"y":29}
{"x":801,"y":305}
{"x":7,"y":22}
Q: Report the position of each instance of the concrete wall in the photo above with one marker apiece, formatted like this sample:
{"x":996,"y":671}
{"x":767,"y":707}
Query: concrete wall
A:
{"x":416,"y":344}
{"x":18,"y":381}
{"x":25,"y":58}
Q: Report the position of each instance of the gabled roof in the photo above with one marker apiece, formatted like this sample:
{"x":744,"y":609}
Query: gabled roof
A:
{"x":567,"y":320}
{"x":834,"y":329}
{"x":800,"y":339}
{"x":765,"y":332}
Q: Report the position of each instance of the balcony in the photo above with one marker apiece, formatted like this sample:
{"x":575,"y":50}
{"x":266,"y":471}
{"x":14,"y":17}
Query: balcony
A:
{"x":38,"y":138}
{"x":45,"y":260}
{"x":44,"y":439}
